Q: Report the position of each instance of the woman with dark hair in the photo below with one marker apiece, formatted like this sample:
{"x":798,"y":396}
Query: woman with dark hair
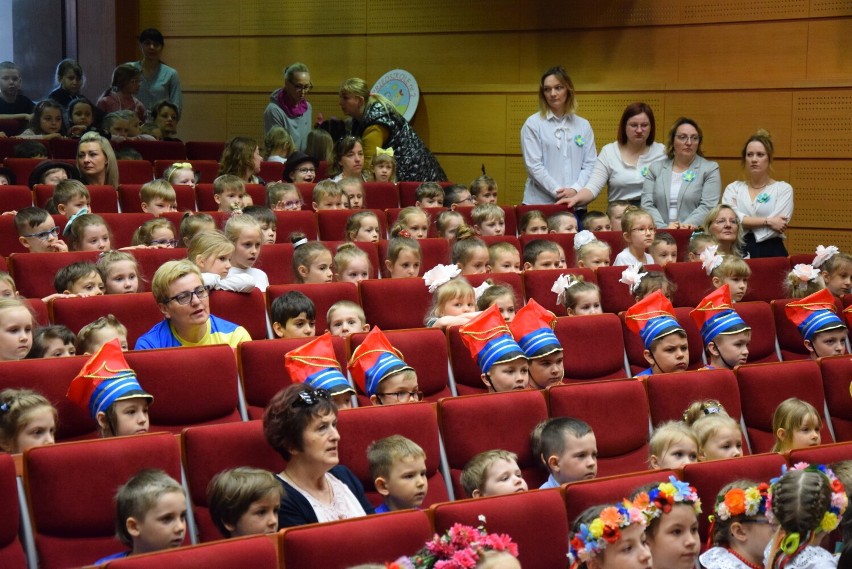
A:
{"x":159,"y":81}
{"x":166,"y":116}
{"x":242,"y":159}
{"x":348,"y":159}
{"x":300,"y":424}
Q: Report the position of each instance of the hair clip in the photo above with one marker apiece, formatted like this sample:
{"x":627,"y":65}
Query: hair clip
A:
{"x":478,"y":291}
{"x":583,"y":238}
{"x":632,"y":277}
{"x":823,"y":254}
{"x":696,"y":233}
{"x":300,"y":242}
{"x":561,"y":284}
{"x":404,"y":233}
{"x":385,"y":151}
{"x":4,"y":407}
{"x":182,"y":166}
{"x":73,"y":218}
{"x":709,"y":259}
{"x":440,"y":274}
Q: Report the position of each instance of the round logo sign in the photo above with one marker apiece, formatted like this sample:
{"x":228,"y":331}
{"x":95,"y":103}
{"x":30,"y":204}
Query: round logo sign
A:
{"x":400,"y":87}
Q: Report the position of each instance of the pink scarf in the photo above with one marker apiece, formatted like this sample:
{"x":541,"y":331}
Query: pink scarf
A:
{"x":291,"y":111}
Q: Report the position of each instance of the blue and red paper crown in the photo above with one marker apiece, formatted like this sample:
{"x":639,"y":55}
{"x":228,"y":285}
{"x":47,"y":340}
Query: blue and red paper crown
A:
{"x":105,"y":379}
{"x":374,"y":361}
{"x":652,"y":318}
{"x":489,"y":340}
{"x":315,"y":364}
{"x":814,"y":313}
{"x":532,"y":328}
{"x":714,"y":315}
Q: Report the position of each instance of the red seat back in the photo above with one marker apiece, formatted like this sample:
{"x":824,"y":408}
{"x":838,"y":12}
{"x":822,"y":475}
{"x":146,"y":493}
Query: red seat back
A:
{"x":124,"y":225}
{"x":9,"y":242}
{"x":616,"y":296}
{"x":205,"y":150}
{"x":380,"y":195}
{"x":15,"y":197}
{"x":323,"y":295}
{"x":538,"y":285}
{"x":615,"y":240}
{"x":513,"y":280}
{"x":836,"y":372}
{"x":791,"y":344}
{"x":102,"y":199}
{"x":607,"y":490}
{"x":466,"y":372}
{"x":371,"y":249}
{"x":256,"y":551}
{"x":11,"y":550}
{"x":758,"y":315}
{"x":682,"y":238}
{"x":822,"y":454}
{"x":692,"y":282}
{"x":296,"y":221}
{"x":206,"y":170}
{"x":204,"y":197}
{"x":64,"y":148}
{"x":135,"y":171}
{"x":332,"y":223}
{"x":137,"y":311}
{"x":670,"y":394}
{"x":246,"y":309}
{"x":394,"y":304}
{"x":128,"y":198}
{"x":34,"y":272}
{"x":598,"y":334}
{"x":157,"y":149}
{"x":149,"y":260}
{"x":270,"y":172}
{"x":277,"y":262}
{"x":767,"y":278}
{"x":22,"y":168}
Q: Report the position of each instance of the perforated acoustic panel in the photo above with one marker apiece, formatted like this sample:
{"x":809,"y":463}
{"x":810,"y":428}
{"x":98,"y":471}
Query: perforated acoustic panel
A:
{"x":518,"y":109}
{"x":826,"y":8}
{"x":245,"y":116}
{"x":407,"y":16}
{"x":806,"y":240}
{"x":516,"y":176}
{"x":317,"y":17}
{"x":737,"y":11}
{"x":823,"y":193}
{"x":822,"y":124}
{"x":191,"y":17}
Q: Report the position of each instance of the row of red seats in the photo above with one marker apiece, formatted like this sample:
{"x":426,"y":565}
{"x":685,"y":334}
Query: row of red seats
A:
{"x":151,"y":150}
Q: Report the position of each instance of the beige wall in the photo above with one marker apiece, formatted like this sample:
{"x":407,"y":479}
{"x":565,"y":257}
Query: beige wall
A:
{"x":783,"y":65}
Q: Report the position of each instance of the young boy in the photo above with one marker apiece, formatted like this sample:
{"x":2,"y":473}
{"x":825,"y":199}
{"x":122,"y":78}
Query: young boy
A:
{"x":244,"y":501}
{"x":327,"y":195}
{"x":697,"y":244}
{"x":503,"y":363}
{"x":726,"y":336}
{"x":13,"y":104}
{"x":69,"y":197}
{"x":151,"y":514}
{"x":398,"y":469}
{"x":283,"y":196}
{"x":541,"y":254}
{"x":484,"y":189}
{"x":378,"y":369}
{"x":457,"y":196}
{"x":666,"y":348}
{"x":562,"y":222}
{"x":815,"y":317}
{"x":81,"y":278}
{"x":315,"y":364}
{"x":228,"y":192}
{"x":345,"y":318}
{"x":429,"y":194}
{"x":615,"y":211}
{"x":504,"y":258}
{"x":38,"y":232}
{"x":492,"y":473}
{"x":532,"y":329}
{"x":158,"y":197}
{"x":664,"y":249}
{"x":293,"y":316}
{"x":95,"y":334}
{"x":267,"y":220}
{"x":570,"y":451}
{"x":488,"y":219}
{"x":596,"y":221}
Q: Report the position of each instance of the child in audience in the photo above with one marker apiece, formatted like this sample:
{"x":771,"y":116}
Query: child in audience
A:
{"x":541,"y":254}
{"x":740,"y":530}
{"x":615,"y":212}
{"x":180,"y":174}
{"x":316,"y":365}
{"x":730,"y":270}
{"x":119,"y":272}
{"x":351,"y":264}
{"x":671,"y":511}
{"x":37,"y":231}
{"x":429,"y":194}
{"x":193,"y":224}
{"x":244,"y":500}
{"x":563,"y":263}
{"x":158,"y":233}
{"x":14,"y":102}
{"x":697,"y":244}
{"x":642,"y":284}
{"x":327,"y":195}
{"x":120,"y":95}
{"x":664,"y":249}
{"x":211,"y":252}
{"x":116,"y":125}
{"x":457,"y":195}
{"x":81,"y":278}
{"x":823,"y":331}
{"x":488,"y":219}
{"x":484,"y":190}
{"x":228,"y":192}
{"x":802,"y":281}
{"x":453,"y":299}
{"x":503,"y":257}
{"x":293,"y":315}
{"x":503,"y":363}
{"x":267,"y":220}
{"x":88,"y":232}
{"x":719,"y":436}
{"x":578,"y":296}
{"x":27,"y":420}
{"x":283,"y":196}
{"x":363,"y":226}
{"x":92,"y":336}
{"x":595,"y":221}
{"x":413,"y":220}
{"x":158,"y":197}
{"x":277,"y":145}
{"x":532,"y":222}
{"x":55,"y":341}
{"x":245,"y":233}
{"x":398,"y":470}
{"x":45,"y":122}
{"x":312,"y":261}
{"x":80,"y":117}
{"x":353,"y":189}
{"x":16,"y":329}
{"x":448,"y":223}
{"x":151,"y":510}
{"x":673,"y":445}
{"x":470,"y":253}
{"x":639,"y":234}
{"x":7,"y":286}
{"x":384,"y":166}
{"x":590,"y":252}
{"x":562,"y":222}
{"x":51,"y":172}
{"x":345,"y":318}
{"x":726,"y":336}
{"x":492,"y":473}
{"x":666,"y":348}
{"x":379,"y":370}
{"x":500,"y":294}
{"x":69,"y":197}
{"x":532,"y":329}
{"x":610,"y":537}
{"x":404,"y":256}
{"x":835,"y":268}
{"x":796,"y":424}
{"x":570,"y":451}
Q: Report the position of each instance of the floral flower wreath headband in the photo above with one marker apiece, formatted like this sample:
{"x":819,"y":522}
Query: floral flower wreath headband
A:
{"x":839,"y":500}
{"x":660,"y":500}
{"x":736,"y":502}
{"x":593,"y":538}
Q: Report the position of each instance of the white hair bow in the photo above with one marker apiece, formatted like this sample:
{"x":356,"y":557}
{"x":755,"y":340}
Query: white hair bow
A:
{"x":561,"y":284}
{"x":709,"y":259}
{"x":583,"y":238}
{"x":478,"y":291}
{"x":632,"y":277}
{"x":804,"y":273}
{"x":823,"y":254}
{"x":440,"y":274}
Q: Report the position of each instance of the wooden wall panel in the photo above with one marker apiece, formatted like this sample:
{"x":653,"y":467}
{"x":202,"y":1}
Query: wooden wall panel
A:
{"x":463,"y":169}
{"x":516,"y":176}
{"x":204,"y":117}
{"x":611,"y":14}
{"x":205,"y":63}
{"x":190,"y":17}
{"x":822,"y":124}
{"x":245,"y":116}
{"x":806,"y":240}
{"x":518,"y":110}
{"x":461,"y":124}
{"x":829,"y":50}
{"x":468,"y":16}
{"x":829,"y":8}
{"x":314,"y":18}
{"x":823,"y":193}
{"x":738,"y":11}
{"x":603,"y":111}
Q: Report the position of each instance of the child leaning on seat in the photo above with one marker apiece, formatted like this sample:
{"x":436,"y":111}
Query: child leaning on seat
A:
{"x":244,"y":501}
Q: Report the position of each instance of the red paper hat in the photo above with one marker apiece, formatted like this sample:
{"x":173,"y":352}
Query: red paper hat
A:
{"x":532,"y":328}
{"x":374,"y":361}
{"x":314,"y":363}
{"x":715,"y":315}
{"x":652,"y":318}
{"x":489,"y":340}
{"x":814,"y":313}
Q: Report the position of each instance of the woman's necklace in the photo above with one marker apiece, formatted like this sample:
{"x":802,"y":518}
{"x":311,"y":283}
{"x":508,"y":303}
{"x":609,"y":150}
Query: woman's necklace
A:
{"x":327,"y":489}
{"x":740,"y":557}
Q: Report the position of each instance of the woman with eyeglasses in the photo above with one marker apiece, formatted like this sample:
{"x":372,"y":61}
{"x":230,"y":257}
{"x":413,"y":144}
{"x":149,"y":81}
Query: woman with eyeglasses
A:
{"x":289,"y":107}
{"x":723,"y":224}
{"x":184,"y":301}
{"x":300,"y":424}
{"x":679,"y":191}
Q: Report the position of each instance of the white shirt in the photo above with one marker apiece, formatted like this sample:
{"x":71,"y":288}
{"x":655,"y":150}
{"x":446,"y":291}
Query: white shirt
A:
{"x":677,"y":182}
{"x":261,"y":281}
{"x":344,"y":504}
{"x":626,"y":258}
{"x":624,"y":181}
{"x":720,"y":558}
{"x":776,"y":199}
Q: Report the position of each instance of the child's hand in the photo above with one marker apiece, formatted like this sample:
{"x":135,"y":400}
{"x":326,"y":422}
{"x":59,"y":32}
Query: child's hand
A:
{"x":460,"y":320}
{"x":48,"y":298}
{"x":12,"y":212}
{"x":58,"y":246}
{"x":77,"y":130}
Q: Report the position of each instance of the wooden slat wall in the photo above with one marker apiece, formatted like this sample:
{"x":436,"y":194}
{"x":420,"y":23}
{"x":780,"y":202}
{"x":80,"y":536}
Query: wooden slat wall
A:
{"x":783,"y":65}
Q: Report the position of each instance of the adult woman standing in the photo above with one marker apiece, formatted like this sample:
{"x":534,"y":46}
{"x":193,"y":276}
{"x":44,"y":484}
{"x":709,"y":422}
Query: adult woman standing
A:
{"x":288,"y":106}
{"x":679,"y":191}
{"x":620,"y":164}
{"x":764,"y":206}
{"x":558,"y":146}
{"x":379,"y":125}
{"x":300,"y":424}
{"x":242,"y":159}
{"x":159,"y":81}
{"x":96,"y":161}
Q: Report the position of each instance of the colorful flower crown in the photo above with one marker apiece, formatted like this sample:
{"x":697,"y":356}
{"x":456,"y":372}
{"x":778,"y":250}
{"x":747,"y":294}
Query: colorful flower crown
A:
{"x":660,"y":500}
{"x":743,"y":502}
{"x":603,"y":530}
{"x":839,"y":499}
{"x":459,"y":548}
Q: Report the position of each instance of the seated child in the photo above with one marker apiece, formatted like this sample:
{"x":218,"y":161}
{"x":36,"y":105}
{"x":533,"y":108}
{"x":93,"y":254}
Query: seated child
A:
{"x":413,"y":220}
{"x":698,"y":243}
{"x":345,"y":318}
{"x":244,"y":501}
{"x":327,"y":195}
{"x":580,"y":298}
{"x":666,"y":348}
{"x":562,"y":222}
{"x":158,"y":232}
{"x":726,"y":336}
{"x":51,"y":172}
{"x":363,"y":226}
{"x":802,"y":281}
{"x":488,"y":219}
{"x":7,"y":286}
{"x":595,"y":221}
{"x":429,"y":194}
{"x":453,"y":299}
{"x":119,"y":272}
{"x":503,"y":257}
{"x":563,"y":263}
{"x":315,"y":364}
{"x":470,"y":253}
{"x":92,"y":336}
{"x":87,"y":232}
{"x":498,"y":294}
{"x":718,"y":435}
{"x":570,"y":451}
{"x":642,"y":284}
{"x":180,"y":174}
{"x":823,"y":331}
{"x":492,"y":473}
{"x":16,"y":323}
{"x":37,"y":231}
{"x":541,"y":254}
{"x":503,"y":363}
{"x":590,"y":252}
{"x":796,"y":424}
{"x":664,"y":249}
{"x":158,"y":197}
{"x":615,"y":211}
{"x":457,"y":195}
{"x":727,"y":269}
{"x":532,"y":329}
{"x":211,"y":251}
{"x":312,"y":261}
{"x":246,"y":234}
{"x":484,"y":189}
{"x":398,"y":470}
{"x":28,"y":420}
{"x":384,"y":166}
{"x":403,"y":257}
{"x":378,"y":369}
{"x":228,"y":192}
{"x":351,"y":264}
{"x":151,"y":509}
{"x":69,"y":197}
{"x":293,"y":316}
{"x":671,"y":510}
{"x":639,"y":231}
{"x":353,"y":189}
{"x":267,"y":220}
{"x":192,"y":224}
{"x":609,"y":537}
{"x":532,"y":222}
{"x":448,"y":223}
{"x":283,"y":196}
{"x":672,"y":445}
{"x":109,"y":390}
{"x":740,"y":530}
{"x":835,"y":268}
{"x":81,"y":278}
{"x":55,"y":341}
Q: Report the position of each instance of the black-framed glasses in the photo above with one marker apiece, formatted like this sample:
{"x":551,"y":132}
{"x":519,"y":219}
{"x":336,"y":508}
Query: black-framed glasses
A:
{"x":306,"y":170}
{"x":185,"y":297}
{"x":402,"y":396}
{"x":311,"y":398}
{"x":167,"y":242}
{"x":304,"y":88}
{"x":45,"y":235}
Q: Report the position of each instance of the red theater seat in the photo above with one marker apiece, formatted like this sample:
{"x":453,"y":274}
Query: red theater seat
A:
{"x":21,"y":168}
{"x":296,"y":221}
{"x":270,"y":172}
{"x":128,"y":198}
{"x":371,"y":249}
{"x":615,"y":240}
{"x":836,"y":373}
{"x":538,"y":285}
{"x":616,"y":296}
{"x":607,"y":490}
{"x":152,"y":150}
{"x":332,"y":223}
{"x":791,"y":344}
{"x":395,"y":304}
{"x":670,"y":394}
{"x":123,"y":226}
{"x":380,"y":195}
{"x":277,"y":262}
{"x":11,"y":550}
{"x":149,"y":260}
{"x":822,"y":454}
{"x":15,"y":198}
{"x":767,"y":278}
{"x":34,"y":272}
{"x":466,"y":372}
{"x":135,"y":171}
{"x":137,"y":311}
{"x":758,"y":315}
{"x":323,"y":295}
{"x":205,"y":170}
{"x":513,"y":280}
{"x":204,"y":150}
{"x":103,"y":199}
{"x":246,"y":309}
{"x":692,"y":282}
{"x":9,"y":242}
{"x":408,"y":192}
{"x":433,"y":251}
{"x":257,"y":552}
{"x":598,"y":334}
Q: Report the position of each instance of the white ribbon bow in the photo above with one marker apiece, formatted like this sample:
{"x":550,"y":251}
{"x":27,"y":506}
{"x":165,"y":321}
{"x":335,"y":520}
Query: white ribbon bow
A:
{"x":823,"y":254}
{"x":709,"y":259}
{"x":561,"y":284}
{"x":440,"y":274}
{"x":478,"y":291}
{"x":583,"y":238}
{"x":632,"y":277}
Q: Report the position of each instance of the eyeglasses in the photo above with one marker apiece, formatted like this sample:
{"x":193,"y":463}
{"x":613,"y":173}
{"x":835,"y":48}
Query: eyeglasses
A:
{"x":311,"y":398}
{"x":306,"y":170}
{"x":645,"y":229}
{"x":304,"y":88}
{"x":293,"y":203}
{"x":186,"y":296}
{"x":167,"y":242}
{"x":403,"y":396}
{"x":690,"y":138}
{"x":45,"y":235}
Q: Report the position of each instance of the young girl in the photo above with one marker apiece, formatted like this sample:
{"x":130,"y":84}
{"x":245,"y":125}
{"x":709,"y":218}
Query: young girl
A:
{"x":672,"y":445}
{"x":643,"y":284}
{"x":277,"y":145}
{"x":16,"y":329}
{"x":27,"y":420}
{"x":80,"y":117}
{"x":363,"y":226}
{"x":610,"y":537}
{"x":453,"y":299}
{"x":87,"y":232}
{"x":180,"y":174}
{"x":448,"y":224}
{"x":211,"y":252}
{"x":590,"y":252}
{"x":718,"y":435}
{"x":639,"y":230}
{"x":835,"y":268}
{"x":532,"y":222}
{"x":351,"y":264}
{"x":158,"y":232}
{"x":69,"y":81}
{"x":802,"y":281}
{"x":404,"y":257}
{"x":245,"y":233}
{"x":194,"y":223}
{"x":796,"y":424}
{"x":739,"y":529}
{"x":577,"y":296}
{"x":55,"y":341}
{"x":500,"y":294}
{"x":7,"y":286}
{"x":666,"y":347}
{"x":46,"y":121}
{"x":120,"y":96}
{"x":470,"y":253}
{"x":353,"y":189}
{"x":384,"y":166}
{"x":671,"y":511}
{"x":312,"y":261}
{"x":414,"y":220}
{"x":119,"y":271}
{"x":283,"y":196}
{"x":730,"y":270}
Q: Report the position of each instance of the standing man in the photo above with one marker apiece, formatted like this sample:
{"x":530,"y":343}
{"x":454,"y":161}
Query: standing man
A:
{"x":288,"y":106}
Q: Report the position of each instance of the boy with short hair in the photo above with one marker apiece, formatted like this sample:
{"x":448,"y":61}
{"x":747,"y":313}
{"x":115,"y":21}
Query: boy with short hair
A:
{"x":541,"y":254}
{"x":267,"y":220}
{"x":562,"y":222}
{"x":378,"y":369}
{"x":666,"y":346}
{"x":615,"y":211}
{"x":70,"y":196}
{"x":150,"y":514}
{"x":823,"y":331}
{"x":95,"y":334}
{"x":569,"y":450}
{"x":327,"y":195}
{"x":158,"y":197}
{"x":228,"y":192}
{"x":13,"y":104}
{"x":346,"y":317}
{"x":429,"y":194}
{"x":398,"y":469}
{"x":38,"y":232}
{"x":596,"y":221}
{"x":244,"y":501}
{"x":484,"y":189}
{"x":488,"y":219}
{"x":492,"y":473}
{"x":501,"y":360}
{"x":457,"y":195}
{"x":81,"y":278}
{"x":532,"y":329}
{"x":293,"y":316}
{"x":664,"y":249}
{"x":504,"y":258}
{"x":726,"y":336}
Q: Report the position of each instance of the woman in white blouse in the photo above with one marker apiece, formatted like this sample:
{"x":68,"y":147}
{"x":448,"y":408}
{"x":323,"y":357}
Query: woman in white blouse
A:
{"x":764,"y":206}
{"x":558,"y":146}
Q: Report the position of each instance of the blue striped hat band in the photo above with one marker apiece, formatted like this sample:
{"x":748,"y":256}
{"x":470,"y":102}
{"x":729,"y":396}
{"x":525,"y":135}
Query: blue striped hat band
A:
{"x":498,"y":350}
{"x":539,"y":343}
{"x":820,"y":321}
{"x":658,"y":327}
{"x":330,"y":379}
{"x":725,"y":322}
